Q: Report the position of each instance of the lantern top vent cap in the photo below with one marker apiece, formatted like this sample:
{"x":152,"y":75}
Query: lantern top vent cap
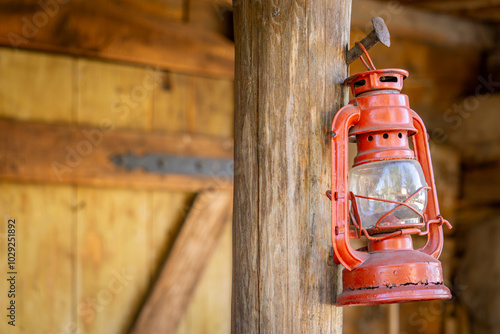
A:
{"x":391,"y":78}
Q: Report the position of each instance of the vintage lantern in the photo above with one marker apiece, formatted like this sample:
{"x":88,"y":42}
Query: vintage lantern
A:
{"x":388,"y":196}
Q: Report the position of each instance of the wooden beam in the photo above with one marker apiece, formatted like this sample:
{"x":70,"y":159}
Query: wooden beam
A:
{"x":290,"y":65}
{"x":38,"y":152}
{"x":479,"y":10}
{"x":481,"y":185}
{"x":471,"y":125}
{"x":476,"y":274}
{"x":175,"y":285}
{"x":413,"y":23}
{"x":114,"y":31}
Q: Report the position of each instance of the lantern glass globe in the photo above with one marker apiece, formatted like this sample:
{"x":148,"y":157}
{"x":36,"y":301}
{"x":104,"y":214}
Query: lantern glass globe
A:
{"x":393,"y":180}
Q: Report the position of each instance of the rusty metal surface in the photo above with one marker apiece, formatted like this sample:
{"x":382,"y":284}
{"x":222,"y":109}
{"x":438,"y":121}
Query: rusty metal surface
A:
{"x":395,"y":272}
{"x":380,"y":33}
{"x":397,"y":294}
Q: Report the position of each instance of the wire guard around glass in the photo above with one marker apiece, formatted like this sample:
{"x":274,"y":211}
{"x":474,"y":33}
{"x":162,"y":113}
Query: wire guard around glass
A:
{"x":356,"y":221}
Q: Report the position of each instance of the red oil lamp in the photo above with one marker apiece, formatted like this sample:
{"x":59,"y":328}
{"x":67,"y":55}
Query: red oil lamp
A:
{"x":388,"y":196}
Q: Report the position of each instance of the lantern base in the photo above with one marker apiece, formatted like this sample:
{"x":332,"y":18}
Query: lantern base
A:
{"x":393,"y":276}
{"x":384,"y":295}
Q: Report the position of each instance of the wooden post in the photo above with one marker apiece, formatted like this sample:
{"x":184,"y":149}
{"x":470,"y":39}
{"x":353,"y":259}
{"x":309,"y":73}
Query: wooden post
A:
{"x":290,"y":63}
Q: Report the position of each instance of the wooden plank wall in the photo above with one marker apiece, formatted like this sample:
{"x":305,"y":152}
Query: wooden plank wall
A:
{"x":88,"y":255}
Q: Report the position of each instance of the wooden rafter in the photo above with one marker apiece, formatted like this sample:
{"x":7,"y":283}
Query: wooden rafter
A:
{"x":38,"y":152}
{"x":170,"y":295}
{"x":414,"y":23}
{"x":114,"y":31}
{"x":483,"y":10}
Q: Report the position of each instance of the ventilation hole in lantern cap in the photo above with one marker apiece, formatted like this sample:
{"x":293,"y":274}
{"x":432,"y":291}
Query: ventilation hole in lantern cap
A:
{"x":386,"y":136}
{"x":359,"y":83}
{"x":400,"y":135}
{"x":388,"y":79}
{"x":370,"y":138}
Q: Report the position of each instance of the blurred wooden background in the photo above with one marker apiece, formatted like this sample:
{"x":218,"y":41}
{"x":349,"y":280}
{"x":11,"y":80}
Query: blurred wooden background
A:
{"x":91,"y":245}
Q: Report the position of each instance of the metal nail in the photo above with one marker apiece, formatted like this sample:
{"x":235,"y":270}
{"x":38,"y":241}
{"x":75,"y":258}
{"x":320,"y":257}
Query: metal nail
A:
{"x":380,"y":33}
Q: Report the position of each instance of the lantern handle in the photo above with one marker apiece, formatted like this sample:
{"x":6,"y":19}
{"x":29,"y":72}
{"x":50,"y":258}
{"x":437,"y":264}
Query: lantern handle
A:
{"x":345,"y":118}
{"x":435,"y":237}
{"x":370,"y":67}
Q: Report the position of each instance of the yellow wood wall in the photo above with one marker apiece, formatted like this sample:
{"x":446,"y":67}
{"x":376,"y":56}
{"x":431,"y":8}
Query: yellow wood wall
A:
{"x":87,"y":256}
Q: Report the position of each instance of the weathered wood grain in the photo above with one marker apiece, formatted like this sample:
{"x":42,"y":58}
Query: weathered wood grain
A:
{"x":290,"y":63}
{"x":175,"y":285}
{"x":115,"y":31}
{"x":37,"y":152}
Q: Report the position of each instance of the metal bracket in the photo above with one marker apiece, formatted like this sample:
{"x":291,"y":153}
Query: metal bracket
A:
{"x":175,"y":164}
